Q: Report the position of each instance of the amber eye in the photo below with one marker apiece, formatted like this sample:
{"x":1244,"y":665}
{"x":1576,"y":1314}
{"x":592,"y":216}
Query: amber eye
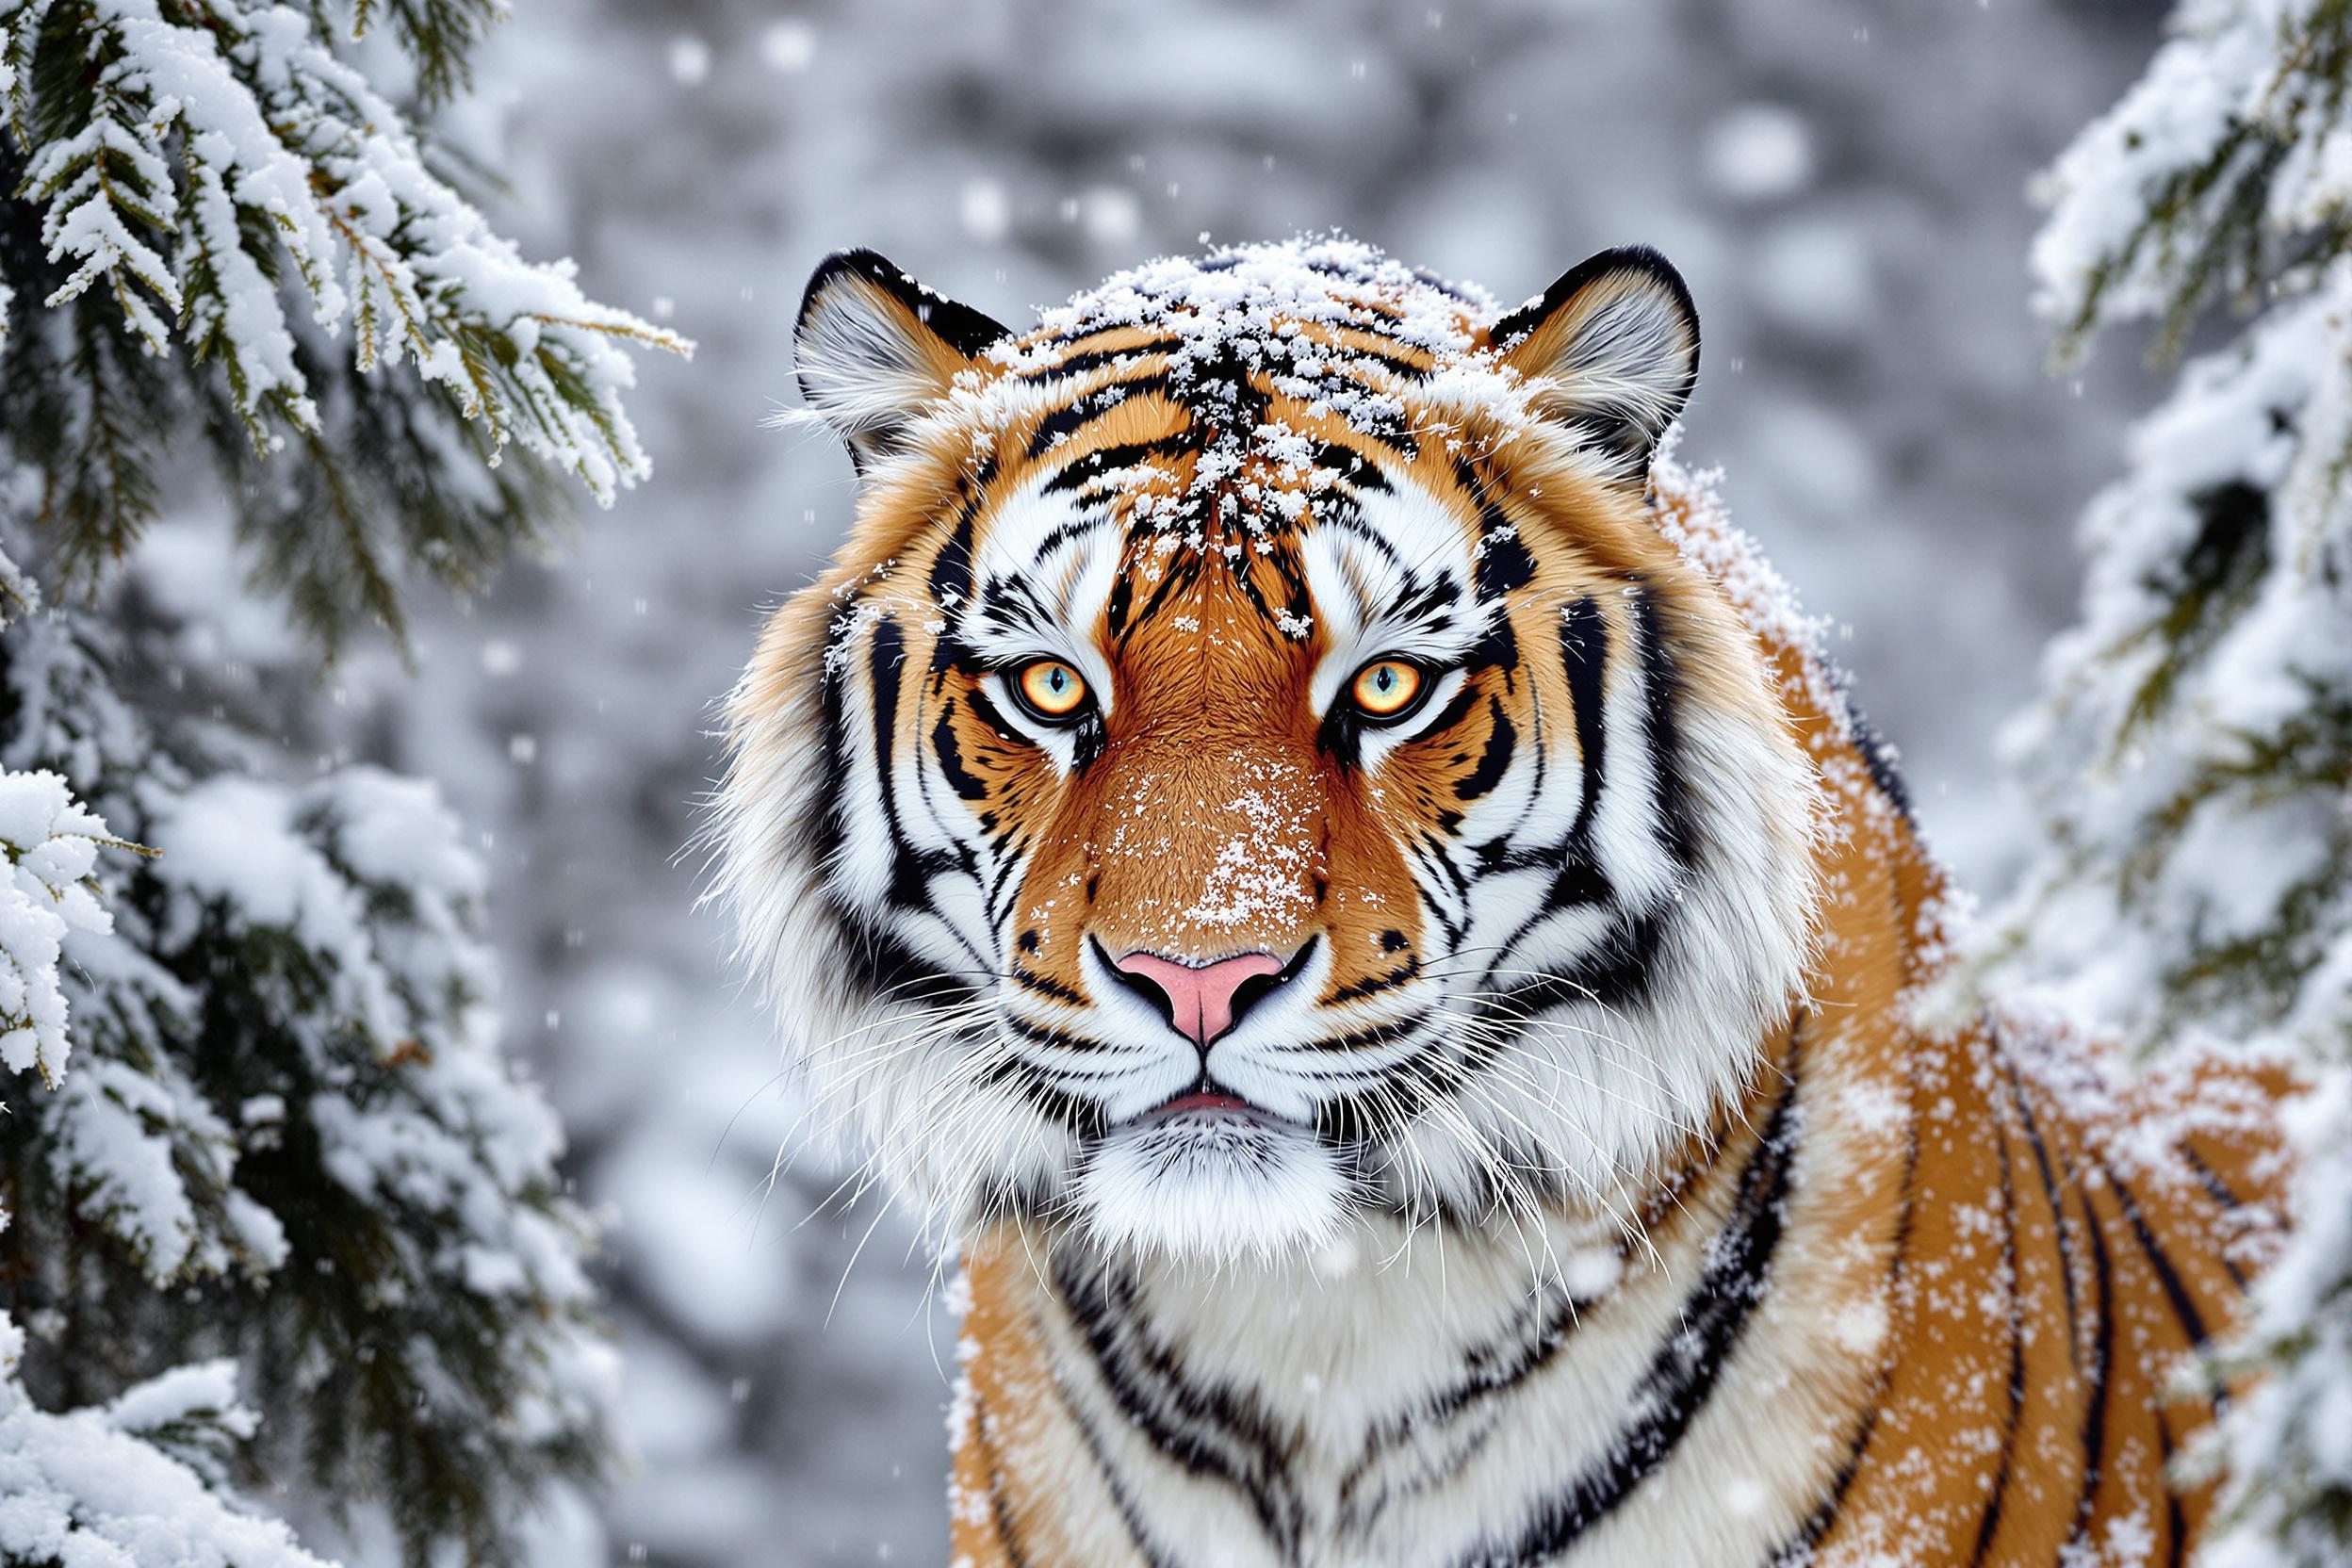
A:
{"x":1386,"y":688}
{"x":1052,"y":690}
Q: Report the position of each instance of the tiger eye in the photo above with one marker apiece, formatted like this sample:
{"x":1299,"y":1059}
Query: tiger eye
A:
{"x":1053,"y":687}
{"x":1386,"y":687}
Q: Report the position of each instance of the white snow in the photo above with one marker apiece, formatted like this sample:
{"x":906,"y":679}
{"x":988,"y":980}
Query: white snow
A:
{"x":291,"y":141}
{"x":88,"y":1489}
{"x":52,"y":846}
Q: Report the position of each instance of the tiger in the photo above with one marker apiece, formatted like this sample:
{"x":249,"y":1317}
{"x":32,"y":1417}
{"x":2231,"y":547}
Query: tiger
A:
{"x":1295,"y":841}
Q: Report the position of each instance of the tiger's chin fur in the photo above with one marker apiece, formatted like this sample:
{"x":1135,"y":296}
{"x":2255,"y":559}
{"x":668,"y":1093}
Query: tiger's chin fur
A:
{"x":1302,"y":849}
{"x":1216,"y":1191}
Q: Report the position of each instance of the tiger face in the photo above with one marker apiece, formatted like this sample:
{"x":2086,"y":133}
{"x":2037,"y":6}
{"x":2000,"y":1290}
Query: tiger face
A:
{"x":1255,"y":765}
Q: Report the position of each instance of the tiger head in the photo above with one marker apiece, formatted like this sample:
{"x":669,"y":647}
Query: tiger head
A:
{"x":1256,"y":764}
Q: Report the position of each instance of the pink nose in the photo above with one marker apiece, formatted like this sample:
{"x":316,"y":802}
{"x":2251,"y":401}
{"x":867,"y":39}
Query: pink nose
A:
{"x":1198,"y":997}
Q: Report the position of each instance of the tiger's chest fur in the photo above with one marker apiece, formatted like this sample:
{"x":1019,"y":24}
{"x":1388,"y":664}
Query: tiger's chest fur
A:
{"x":1921,"y":1300}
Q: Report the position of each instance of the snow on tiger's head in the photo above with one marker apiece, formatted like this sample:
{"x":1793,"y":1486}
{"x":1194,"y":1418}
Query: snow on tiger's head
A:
{"x":1256,"y":761}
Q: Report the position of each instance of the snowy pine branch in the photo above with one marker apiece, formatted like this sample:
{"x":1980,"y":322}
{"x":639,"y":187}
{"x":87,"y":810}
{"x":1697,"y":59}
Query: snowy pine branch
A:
{"x":2205,"y":698}
{"x":52,"y":844}
{"x":133,"y":1485}
{"x":264,"y":1130}
{"x":209,"y":184}
{"x":439,"y":36}
{"x":2225,"y":171}
{"x":286,"y":1102}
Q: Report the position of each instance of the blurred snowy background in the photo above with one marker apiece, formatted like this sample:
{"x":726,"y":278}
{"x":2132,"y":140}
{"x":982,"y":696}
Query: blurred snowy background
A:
{"x":1843,"y":183}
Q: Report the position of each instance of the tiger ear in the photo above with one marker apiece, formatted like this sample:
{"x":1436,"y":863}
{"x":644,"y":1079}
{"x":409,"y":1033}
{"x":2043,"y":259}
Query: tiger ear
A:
{"x":874,"y":349}
{"x":1614,"y":346}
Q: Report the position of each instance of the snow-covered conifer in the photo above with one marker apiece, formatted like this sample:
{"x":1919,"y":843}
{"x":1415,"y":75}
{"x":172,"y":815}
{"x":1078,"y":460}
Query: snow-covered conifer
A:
{"x":132,"y":1481}
{"x":280,"y":1130}
{"x":280,"y":1221}
{"x":2191,"y":759}
{"x":137,"y":1481}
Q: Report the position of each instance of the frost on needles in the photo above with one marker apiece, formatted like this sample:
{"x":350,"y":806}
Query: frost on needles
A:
{"x":215,"y":222}
{"x":2191,"y":759}
{"x":281,"y":1223}
{"x":278,"y":1142}
{"x":137,"y":1474}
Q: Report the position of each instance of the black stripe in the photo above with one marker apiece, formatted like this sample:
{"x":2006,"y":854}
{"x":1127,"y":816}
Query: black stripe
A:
{"x":1116,"y":609}
{"x":2219,"y":1191}
{"x":1490,"y":1370}
{"x":2191,"y":1325}
{"x":1210,"y":1429}
{"x":1287,"y":569}
{"x":1492,"y":762}
{"x":911,"y":869}
{"x":1396,"y":364}
{"x":1797,"y":1551}
{"x":1045,"y":1034}
{"x":1081,"y":1118}
{"x":1373,"y":985}
{"x":828,"y":823}
{"x":1340,"y":512}
{"x":2057,"y":1213}
{"x":2214,"y":1184}
{"x":2102,"y":1361}
{"x":951,"y":569}
{"x":1007,"y":1534}
{"x":1003,"y":886}
{"x":1181,"y":571}
{"x":1084,"y":471}
{"x":1351,"y":464}
{"x":1379,"y":1033}
{"x":1062,"y":533}
{"x":1436,"y":849}
{"x":1990,"y":1524}
{"x":1497,"y":649}
{"x":1095,"y":359}
{"x":874,"y":959}
{"x":1455,"y":930}
{"x":1661,"y":690}
{"x":1878,"y":756}
{"x":2167,"y":1278}
{"x":1503,"y":565}
{"x":1454,"y":712}
{"x":1683,"y":1370}
{"x":989,"y":714}
{"x":1045,"y":985}
{"x":1577,"y":880}
{"x":1061,"y":424}
{"x":1145,"y":1546}
{"x":951,"y":756}
{"x":1616,"y":972}
{"x":1584,"y":652}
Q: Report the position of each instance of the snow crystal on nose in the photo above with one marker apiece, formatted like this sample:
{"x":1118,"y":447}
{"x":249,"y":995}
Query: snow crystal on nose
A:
{"x":1263,"y":873}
